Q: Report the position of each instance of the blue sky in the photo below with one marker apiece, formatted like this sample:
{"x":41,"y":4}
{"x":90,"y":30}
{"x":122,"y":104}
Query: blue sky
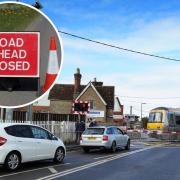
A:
{"x":150,"y":26}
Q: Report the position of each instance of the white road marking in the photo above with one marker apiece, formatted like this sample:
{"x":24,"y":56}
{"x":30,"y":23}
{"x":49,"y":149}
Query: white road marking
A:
{"x":52,"y":170}
{"x":102,"y":157}
{"x":87,"y":166}
{"x":12,"y":174}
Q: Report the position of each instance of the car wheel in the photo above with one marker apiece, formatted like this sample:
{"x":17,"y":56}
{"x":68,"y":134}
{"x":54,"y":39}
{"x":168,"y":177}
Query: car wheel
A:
{"x":59,"y":155}
{"x":113,"y":147}
{"x":12,"y":161}
{"x":86,"y":150}
{"x":127,"y":147}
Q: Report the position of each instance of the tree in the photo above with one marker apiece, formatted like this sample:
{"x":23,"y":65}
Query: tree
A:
{"x":144,"y":122}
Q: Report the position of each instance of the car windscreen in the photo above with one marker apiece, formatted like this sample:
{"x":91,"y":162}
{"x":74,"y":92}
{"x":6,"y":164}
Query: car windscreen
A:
{"x":98,"y":131}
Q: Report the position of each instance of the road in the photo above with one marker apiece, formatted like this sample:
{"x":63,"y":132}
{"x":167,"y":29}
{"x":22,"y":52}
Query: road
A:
{"x":157,"y":162}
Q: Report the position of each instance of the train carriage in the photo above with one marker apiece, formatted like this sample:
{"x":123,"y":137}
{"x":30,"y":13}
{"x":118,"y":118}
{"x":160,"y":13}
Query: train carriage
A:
{"x":164,"y":120}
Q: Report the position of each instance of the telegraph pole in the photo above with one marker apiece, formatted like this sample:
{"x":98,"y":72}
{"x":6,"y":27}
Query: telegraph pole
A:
{"x":141,"y":109}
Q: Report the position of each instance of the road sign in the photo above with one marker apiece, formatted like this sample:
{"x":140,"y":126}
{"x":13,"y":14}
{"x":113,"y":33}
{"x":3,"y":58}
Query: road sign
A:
{"x":19,"y":54}
{"x":95,"y":113}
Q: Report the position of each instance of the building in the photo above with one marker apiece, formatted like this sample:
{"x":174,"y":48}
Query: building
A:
{"x":101,"y":99}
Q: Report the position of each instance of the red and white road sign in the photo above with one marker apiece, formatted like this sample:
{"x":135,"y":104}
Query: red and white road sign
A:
{"x":19,"y":54}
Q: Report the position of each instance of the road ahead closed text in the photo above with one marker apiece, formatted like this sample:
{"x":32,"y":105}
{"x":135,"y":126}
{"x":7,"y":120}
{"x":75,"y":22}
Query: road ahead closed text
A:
{"x":19,"y":54}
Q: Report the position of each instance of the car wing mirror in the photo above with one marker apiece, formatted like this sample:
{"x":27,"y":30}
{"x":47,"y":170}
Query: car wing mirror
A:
{"x":54,"y":138}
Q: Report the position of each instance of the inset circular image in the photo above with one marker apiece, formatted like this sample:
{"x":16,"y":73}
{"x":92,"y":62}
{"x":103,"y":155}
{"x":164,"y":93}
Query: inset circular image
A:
{"x":30,"y":54}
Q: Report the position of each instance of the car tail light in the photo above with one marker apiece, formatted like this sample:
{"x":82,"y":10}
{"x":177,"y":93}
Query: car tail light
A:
{"x":105,"y":138}
{"x":2,"y":141}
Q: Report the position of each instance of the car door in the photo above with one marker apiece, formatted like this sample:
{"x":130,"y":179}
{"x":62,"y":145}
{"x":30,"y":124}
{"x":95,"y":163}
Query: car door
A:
{"x":119,"y":137}
{"x":45,"y":148}
{"x":123,"y":137}
{"x":24,"y":142}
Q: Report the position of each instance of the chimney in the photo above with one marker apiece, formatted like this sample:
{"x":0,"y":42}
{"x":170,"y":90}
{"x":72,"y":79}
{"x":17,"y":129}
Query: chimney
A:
{"x":77,"y":83}
{"x":96,"y":83}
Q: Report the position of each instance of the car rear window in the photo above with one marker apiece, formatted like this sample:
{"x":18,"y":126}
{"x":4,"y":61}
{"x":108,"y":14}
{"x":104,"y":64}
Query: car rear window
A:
{"x":19,"y":131}
{"x":98,"y":131}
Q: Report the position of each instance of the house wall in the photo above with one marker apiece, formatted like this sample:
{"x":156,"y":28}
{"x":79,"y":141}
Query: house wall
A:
{"x":90,"y":95}
{"x":61,"y":106}
{"x":65,"y":107}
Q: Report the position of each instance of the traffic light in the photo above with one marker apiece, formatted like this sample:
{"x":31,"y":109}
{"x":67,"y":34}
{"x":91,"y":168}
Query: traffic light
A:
{"x":81,"y":107}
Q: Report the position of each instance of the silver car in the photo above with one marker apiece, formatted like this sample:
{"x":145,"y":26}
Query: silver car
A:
{"x":106,"y":137}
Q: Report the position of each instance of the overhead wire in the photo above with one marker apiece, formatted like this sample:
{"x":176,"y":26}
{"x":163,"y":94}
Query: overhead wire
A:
{"x":119,"y":48}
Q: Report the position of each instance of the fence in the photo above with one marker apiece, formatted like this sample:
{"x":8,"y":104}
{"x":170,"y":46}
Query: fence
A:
{"x":61,"y":125}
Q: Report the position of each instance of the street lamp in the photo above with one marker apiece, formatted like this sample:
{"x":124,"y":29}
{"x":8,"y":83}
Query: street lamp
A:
{"x":141,"y":109}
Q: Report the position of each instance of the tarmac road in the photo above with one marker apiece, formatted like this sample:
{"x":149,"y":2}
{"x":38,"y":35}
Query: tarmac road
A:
{"x":157,"y":162}
{"x":15,"y":98}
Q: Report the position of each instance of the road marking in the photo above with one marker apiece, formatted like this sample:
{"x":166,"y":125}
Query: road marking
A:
{"x":52,"y":170}
{"x":101,"y":157}
{"x":87,"y":166}
{"x":12,"y":174}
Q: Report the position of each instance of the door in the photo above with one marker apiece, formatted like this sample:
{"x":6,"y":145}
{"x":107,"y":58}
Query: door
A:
{"x":45,"y":148}
{"x":24,"y":141}
{"x":119,"y":137}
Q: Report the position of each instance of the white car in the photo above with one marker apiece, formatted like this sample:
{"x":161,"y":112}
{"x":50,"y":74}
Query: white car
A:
{"x":21,"y":143}
{"x":106,"y":137}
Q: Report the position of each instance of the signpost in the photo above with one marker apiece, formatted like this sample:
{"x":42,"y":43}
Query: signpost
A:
{"x":19,"y":56}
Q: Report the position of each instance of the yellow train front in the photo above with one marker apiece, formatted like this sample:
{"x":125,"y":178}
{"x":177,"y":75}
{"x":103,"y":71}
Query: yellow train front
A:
{"x":156,"y":120}
{"x":164,"y":120}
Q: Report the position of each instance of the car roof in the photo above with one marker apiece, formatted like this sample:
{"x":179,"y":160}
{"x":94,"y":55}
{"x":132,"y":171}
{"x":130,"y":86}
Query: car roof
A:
{"x":11,"y":124}
{"x":108,"y":126}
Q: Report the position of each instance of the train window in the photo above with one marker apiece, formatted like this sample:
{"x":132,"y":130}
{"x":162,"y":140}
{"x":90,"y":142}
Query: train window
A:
{"x":155,"y":117}
{"x":171,"y":119}
{"x":177,"y":118}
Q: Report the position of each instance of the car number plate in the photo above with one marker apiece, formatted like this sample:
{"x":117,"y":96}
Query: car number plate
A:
{"x":91,"y":138}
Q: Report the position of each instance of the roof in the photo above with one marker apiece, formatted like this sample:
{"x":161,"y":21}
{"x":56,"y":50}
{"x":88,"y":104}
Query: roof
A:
{"x":93,"y":87}
{"x":100,"y":126}
{"x":65,"y":92}
{"x":167,"y":109}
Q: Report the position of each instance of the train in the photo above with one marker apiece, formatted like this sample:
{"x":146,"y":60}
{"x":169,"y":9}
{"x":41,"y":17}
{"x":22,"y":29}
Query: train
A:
{"x":164,"y":120}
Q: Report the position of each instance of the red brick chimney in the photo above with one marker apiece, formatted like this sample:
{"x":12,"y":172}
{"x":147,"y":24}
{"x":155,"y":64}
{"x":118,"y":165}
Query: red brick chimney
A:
{"x":77,"y":83}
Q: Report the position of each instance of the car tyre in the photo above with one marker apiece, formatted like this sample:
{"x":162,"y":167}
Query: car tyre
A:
{"x":113,"y":147}
{"x":127,"y":147}
{"x":12,"y":161}
{"x":59,"y":155}
{"x":86,"y":150}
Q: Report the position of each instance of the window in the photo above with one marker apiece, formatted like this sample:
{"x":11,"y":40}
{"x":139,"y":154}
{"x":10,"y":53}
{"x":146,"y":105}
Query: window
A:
{"x":23,"y":131}
{"x":117,"y":131}
{"x":98,"y":131}
{"x":155,"y":117}
{"x":39,"y":133}
{"x":109,"y":131}
{"x":171,"y":119}
{"x":177,"y":118}
{"x":91,"y":104}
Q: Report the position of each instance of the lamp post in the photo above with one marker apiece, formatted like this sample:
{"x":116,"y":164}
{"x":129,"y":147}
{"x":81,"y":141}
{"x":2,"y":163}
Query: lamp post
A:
{"x":141,"y":110}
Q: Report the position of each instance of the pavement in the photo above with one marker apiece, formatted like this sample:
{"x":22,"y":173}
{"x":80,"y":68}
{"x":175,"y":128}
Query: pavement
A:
{"x":141,"y":162}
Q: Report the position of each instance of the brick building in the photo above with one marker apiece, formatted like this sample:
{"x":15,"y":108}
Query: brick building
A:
{"x":101,"y":98}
